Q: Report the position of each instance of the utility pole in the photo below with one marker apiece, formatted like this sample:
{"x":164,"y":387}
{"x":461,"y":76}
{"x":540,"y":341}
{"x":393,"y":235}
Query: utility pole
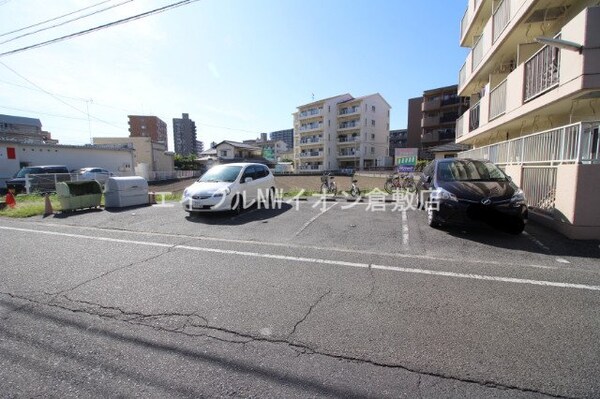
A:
{"x":87,"y":107}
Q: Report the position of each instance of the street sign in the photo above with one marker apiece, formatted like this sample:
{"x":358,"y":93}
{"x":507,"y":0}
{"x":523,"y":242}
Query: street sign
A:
{"x":406,"y":159}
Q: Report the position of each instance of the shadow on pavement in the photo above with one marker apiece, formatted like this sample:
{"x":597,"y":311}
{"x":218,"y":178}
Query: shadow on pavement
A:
{"x":252,"y":214}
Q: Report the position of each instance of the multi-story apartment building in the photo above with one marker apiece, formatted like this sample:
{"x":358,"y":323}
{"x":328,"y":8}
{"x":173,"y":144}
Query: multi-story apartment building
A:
{"x":533,"y":78}
{"x":148,"y":126}
{"x":342,"y":132}
{"x":398,"y":139}
{"x":24,"y":130}
{"x":184,"y":135}
{"x":199,"y":147}
{"x":287,"y":136}
{"x":440,"y":109}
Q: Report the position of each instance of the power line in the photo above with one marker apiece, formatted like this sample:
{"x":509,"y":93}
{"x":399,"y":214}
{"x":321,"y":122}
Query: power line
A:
{"x":44,"y":113}
{"x":66,"y":22}
{"x":52,"y":19}
{"x":55,"y":97}
{"x":100,"y":27}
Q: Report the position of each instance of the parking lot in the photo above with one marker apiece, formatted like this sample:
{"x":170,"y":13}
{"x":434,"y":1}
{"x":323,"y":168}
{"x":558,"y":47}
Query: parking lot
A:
{"x":335,"y":298}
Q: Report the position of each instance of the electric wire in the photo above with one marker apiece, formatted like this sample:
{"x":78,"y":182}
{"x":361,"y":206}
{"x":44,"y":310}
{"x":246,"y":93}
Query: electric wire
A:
{"x":52,"y":19}
{"x":100,"y":27}
{"x":65,"y":22}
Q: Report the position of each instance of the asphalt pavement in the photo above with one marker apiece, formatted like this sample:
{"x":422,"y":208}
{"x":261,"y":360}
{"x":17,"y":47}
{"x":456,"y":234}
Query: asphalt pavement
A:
{"x":314,"y":299}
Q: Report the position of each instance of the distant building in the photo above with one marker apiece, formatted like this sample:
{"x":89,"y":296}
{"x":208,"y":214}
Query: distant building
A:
{"x":342,"y":132}
{"x":184,"y":135}
{"x":148,"y":126}
{"x":287,"y":136}
{"x":432,"y":117}
{"x":398,"y":139}
{"x":23,"y":130}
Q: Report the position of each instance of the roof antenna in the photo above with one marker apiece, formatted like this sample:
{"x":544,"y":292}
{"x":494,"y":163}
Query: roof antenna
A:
{"x":313,"y":96}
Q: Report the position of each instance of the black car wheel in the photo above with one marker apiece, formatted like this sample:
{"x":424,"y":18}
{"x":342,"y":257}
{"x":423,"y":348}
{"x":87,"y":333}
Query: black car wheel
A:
{"x":516,"y":226}
{"x":237,"y":205}
{"x":432,"y":216}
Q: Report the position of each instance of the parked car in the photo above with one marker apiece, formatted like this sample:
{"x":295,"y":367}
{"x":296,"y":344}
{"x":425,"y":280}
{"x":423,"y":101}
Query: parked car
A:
{"x":38,"y":182}
{"x":464,"y":190}
{"x":232,"y":186}
{"x":93,"y":173}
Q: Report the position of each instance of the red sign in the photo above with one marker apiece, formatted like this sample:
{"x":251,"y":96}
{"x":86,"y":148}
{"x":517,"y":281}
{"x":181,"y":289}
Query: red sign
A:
{"x":10,"y":153}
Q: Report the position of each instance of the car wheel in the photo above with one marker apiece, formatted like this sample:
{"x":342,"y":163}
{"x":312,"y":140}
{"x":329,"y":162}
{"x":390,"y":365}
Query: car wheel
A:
{"x":432,"y":217}
{"x":237,"y":205}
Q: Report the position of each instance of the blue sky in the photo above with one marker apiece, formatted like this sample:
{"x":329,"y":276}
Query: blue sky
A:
{"x":238,"y":67}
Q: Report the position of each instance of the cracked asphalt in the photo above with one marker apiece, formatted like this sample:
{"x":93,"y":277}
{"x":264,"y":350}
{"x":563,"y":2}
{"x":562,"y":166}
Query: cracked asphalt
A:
{"x":333,"y":301}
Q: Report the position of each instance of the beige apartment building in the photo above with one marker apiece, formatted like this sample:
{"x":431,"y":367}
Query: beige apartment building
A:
{"x":342,"y":132}
{"x":533,"y":77}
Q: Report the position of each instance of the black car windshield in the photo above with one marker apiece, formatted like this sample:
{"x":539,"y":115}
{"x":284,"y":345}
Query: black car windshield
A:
{"x":221,"y":173}
{"x":29,"y":171}
{"x":469,"y":170}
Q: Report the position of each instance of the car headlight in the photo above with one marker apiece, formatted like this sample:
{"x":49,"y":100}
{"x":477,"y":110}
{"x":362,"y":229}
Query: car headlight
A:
{"x":442,"y":194}
{"x":186,"y":193}
{"x":518,"y":198}
{"x":222,"y":193}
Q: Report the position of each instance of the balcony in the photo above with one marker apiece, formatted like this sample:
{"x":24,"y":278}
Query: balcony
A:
{"x":310,"y":127}
{"x":349,"y":111}
{"x":311,"y":113}
{"x":349,"y":125}
{"x":310,"y":141}
{"x":498,"y":100}
{"x":343,"y":140}
{"x":576,"y":143}
{"x":430,"y":105}
{"x":501,"y":19}
{"x":310,"y":168}
{"x":474,"y":117}
{"x":311,"y":154}
{"x":430,"y":121}
{"x":473,"y":13}
{"x":542,"y":72}
{"x":477,"y":53}
{"x":348,"y":153}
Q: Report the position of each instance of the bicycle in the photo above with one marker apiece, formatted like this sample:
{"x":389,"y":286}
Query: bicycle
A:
{"x":328,"y":185}
{"x":400,"y":182}
{"x":354,"y":190}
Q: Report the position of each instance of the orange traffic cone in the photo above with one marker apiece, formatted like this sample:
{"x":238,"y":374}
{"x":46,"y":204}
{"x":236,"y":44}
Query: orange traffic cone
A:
{"x":48,"y":206}
{"x":10,"y":199}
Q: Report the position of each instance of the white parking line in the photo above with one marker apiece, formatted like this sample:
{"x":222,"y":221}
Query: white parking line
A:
{"x":536,"y":241}
{"x":404,"y":228}
{"x":313,"y":219}
{"x":469,"y":276}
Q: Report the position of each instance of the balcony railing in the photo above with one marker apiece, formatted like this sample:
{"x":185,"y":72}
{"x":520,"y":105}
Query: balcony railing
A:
{"x":576,"y":143}
{"x":477,"y":53}
{"x":500,"y":20}
{"x":347,"y":125}
{"x":460,"y":125}
{"x":349,"y":111}
{"x":311,"y":154}
{"x":474,"y":117}
{"x":312,"y":126}
{"x":462,"y":75}
{"x":310,"y":113}
{"x":348,"y":139}
{"x":498,"y":100}
{"x":464,"y":23}
{"x":310,"y":141}
{"x":542,"y":72}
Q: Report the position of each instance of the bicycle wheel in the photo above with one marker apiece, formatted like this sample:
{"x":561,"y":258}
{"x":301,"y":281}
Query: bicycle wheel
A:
{"x":355,"y":192}
{"x":389,"y":186}
{"x":333,"y":188}
{"x":410,"y":186}
{"x":324,"y":188}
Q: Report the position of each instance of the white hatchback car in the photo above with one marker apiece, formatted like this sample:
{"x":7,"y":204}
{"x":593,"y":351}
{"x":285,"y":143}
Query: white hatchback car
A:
{"x":233,"y":186}
{"x":101,"y":175}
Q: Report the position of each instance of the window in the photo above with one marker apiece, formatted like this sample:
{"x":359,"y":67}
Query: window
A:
{"x":373,"y":108}
{"x":223,"y":153}
{"x":372,"y":136}
{"x":372,"y":122}
{"x":372,"y":150}
{"x":329,"y":122}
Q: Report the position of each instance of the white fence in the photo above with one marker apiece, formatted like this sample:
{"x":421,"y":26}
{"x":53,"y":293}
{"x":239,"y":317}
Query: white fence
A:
{"x":576,"y":143}
{"x":540,"y":153}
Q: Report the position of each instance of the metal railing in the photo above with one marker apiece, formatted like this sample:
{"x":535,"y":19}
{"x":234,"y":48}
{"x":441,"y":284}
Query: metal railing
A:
{"x":539,"y":186}
{"x":500,"y":20}
{"x":464,"y":23}
{"x":477,"y":53}
{"x":474,"y":117}
{"x":542,"y":72}
{"x":575,"y":143}
{"x":462,"y":75}
{"x":460,"y":123}
{"x":498,"y":100}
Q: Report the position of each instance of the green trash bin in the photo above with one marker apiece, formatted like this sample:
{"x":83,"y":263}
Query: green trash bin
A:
{"x":75,"y":195}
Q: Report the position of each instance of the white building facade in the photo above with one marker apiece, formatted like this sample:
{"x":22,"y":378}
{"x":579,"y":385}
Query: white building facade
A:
{"x":533,"y":77}
{"x":342,"y":132}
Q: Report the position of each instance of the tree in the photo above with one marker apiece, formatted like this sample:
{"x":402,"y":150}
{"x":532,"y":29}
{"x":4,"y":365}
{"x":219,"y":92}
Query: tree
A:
{"x":186,"y":162}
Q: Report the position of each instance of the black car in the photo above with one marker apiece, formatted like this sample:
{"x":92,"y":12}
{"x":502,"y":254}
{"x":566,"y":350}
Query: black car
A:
{"x":38,"y":182}
{"x":464,"y":190}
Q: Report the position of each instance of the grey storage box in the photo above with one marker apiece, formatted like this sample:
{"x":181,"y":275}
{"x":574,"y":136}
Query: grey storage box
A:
{"x":120,"y":192}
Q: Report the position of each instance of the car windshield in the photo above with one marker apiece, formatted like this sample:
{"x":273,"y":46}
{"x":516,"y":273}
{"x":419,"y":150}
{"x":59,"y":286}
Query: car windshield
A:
{"x":29,"y":171}
{"x":221,"y":173}
{"x":468,"y":170}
